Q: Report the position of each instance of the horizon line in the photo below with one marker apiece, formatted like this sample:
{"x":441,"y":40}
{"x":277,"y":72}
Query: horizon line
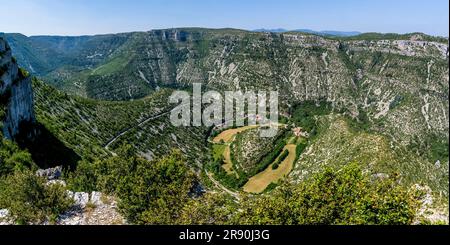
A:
{"x":270,"y":30}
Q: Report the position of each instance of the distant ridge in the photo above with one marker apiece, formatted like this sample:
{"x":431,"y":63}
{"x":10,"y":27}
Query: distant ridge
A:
{"x":325,"y":33}
{"x":270,"y":30}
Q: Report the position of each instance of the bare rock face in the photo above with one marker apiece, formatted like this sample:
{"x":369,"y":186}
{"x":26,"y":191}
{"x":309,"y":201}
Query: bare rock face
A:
{"x":16,"y":93}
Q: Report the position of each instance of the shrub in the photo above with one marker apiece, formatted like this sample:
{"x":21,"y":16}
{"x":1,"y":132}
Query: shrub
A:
{"x":299,"y":150}
{"x":272,"y":155}
{"x":303,"y":114}
{"x":30,"y":200}
{"x":280,"y":159}
{"x":12,"y":158}
{"x":344,"y":196}
{"x":23,"y":73}
{"x":149,"y":192}
{"x":155,"y":192}
{"x":209,"y":210}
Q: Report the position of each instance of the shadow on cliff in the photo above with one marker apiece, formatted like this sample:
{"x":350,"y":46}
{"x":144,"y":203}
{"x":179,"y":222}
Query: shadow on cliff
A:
{"x":46,"y":150}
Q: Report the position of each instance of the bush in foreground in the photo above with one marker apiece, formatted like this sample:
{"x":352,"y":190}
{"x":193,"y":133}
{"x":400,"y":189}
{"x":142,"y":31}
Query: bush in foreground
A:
{"x":346,"y":196}
{"x":30,"y":200}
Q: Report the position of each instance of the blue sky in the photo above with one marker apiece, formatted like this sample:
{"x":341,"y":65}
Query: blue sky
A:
{"x":76,"y":17}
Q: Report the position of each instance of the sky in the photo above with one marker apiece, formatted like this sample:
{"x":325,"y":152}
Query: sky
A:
{"x":88,"y":17}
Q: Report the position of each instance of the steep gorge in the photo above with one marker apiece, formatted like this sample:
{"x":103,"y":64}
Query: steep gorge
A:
{"x":394,"y":88}
{"x":398,"y":82}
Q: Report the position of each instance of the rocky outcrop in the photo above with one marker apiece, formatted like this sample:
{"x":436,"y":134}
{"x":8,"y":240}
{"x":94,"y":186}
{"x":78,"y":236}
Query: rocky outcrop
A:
{"x":50,"y":173}
{"x":89,"y":209}
{"x":95,"y":208}
{"x":428,"y":211}
{"x":16,"y":93}
{"x":4,"y":217}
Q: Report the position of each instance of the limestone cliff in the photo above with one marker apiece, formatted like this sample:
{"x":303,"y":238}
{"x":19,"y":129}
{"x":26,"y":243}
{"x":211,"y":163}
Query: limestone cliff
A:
{"x":16,"y":93}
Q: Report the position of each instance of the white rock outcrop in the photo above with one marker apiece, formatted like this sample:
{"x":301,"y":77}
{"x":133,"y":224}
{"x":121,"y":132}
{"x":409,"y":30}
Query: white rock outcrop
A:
{"x":81,"y":199}
{"x":4,"y":217}
{"x":50,"y":173}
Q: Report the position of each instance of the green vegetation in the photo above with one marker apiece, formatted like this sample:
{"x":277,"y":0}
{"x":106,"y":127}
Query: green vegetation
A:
{"x":366,"y":102}
{"x":218,"y":150}
{"x":249,"y":162}
{"x":23,"y":73}
{"x":391,"y":36}
{"x":332,"y":197}
{"x":253,"y":163}
{"x":270,"y":187}
{"x":280,"y":159}
{"x":259,"y":182}
{"x":342,"y":54}
{"x":12,"y":158}
{"x":299,"y":150}
{"x":112,"y":66}
{"x":304,"y":114}
{"x":149,"y":192}
{"x":373,"y":150}
{"x":210,"y":209}
{"x":27,"y":197}
{"x":228,"y":180}
{"x":203,"y":47}
{"x":434,"y":148}
{"x":345,"y":196}
{"x":85,"y":125}
{"x":270,"y":156}
{"x":30,"y":200}
{"x":156,"y":191}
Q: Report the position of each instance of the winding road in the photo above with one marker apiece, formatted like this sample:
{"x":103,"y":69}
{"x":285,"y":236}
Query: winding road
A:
{"x":146,"y":120}
{"x":156,"y":116}
{"x":124,"y":131}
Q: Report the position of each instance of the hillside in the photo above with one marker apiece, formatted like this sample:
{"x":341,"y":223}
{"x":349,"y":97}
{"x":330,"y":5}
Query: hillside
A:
{"x":88,"y":126}
{"x":389,"y":78}
{"x":371,"y":107}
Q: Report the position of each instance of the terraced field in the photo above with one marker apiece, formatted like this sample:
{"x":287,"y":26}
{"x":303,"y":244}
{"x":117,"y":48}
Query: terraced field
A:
{"x":225,"y":138}
{"x":228,"y":135}
{"x":261,"y":181}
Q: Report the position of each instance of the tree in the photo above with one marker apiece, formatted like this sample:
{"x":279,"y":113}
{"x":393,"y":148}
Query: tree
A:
{"x":149,"y":192}
{"x":208,"y":210}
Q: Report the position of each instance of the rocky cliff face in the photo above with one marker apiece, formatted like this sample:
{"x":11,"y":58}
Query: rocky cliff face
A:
{"x":16,"y":92}
{"x":397,"y":82}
